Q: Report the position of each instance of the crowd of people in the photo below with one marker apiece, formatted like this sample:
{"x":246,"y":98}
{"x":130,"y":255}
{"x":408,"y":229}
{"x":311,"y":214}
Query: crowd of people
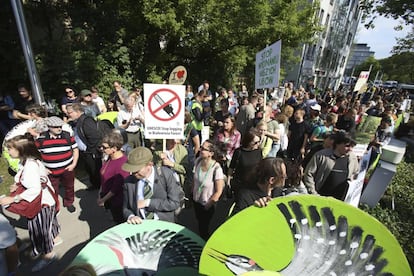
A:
{"x":260,"y":146}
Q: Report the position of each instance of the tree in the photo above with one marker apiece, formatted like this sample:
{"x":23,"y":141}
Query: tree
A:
{"x":86,"y":43}
{"x":397,"y":9}
{"x":366,"y":65}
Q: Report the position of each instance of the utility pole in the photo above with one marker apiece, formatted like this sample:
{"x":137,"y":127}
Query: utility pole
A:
{"x":27,"y":51}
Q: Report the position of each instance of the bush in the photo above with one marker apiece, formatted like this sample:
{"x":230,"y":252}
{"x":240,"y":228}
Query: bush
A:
{"x":400,"y":220}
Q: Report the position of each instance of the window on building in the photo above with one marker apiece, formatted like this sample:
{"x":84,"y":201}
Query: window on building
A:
{"x":321,"y":16}
{"x":349,"y":39}
{"x":342,"y":61}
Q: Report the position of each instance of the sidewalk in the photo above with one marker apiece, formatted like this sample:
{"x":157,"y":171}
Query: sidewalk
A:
{"x":78,"y":228}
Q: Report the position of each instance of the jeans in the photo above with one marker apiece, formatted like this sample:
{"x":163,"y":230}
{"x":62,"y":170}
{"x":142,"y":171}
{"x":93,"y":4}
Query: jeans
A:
{"x":274,"y":150}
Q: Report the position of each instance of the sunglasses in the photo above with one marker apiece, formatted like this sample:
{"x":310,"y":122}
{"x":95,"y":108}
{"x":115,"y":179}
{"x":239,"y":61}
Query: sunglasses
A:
{"x":69,"y":91}
{"x":204,"y":149}
{"x":104,"y":147}
{"x":54,"y":126}
{"x":256,"y":142}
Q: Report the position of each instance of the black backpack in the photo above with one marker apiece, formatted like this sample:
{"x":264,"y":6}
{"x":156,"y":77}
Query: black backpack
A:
{"x":104,"y":127}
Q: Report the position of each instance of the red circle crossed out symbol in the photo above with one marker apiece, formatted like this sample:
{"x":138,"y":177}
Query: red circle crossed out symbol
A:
{"x":154,"y":111}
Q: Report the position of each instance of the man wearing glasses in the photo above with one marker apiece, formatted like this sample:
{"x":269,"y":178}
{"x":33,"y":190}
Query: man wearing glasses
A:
{"x":149,"y":193}
{"x":60,"y":155}
{"x":330,"y":170}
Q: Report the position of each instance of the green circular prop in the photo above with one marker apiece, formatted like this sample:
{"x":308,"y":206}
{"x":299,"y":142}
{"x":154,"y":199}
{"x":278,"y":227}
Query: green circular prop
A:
{"x":151,"y":247}
{"x":303,"y":235}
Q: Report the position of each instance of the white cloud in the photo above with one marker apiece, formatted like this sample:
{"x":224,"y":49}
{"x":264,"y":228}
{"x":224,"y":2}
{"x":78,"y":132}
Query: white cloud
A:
{"x":382,"y":38}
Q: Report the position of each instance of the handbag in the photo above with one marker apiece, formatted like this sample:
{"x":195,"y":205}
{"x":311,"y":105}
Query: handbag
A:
{"x":31,"y":209}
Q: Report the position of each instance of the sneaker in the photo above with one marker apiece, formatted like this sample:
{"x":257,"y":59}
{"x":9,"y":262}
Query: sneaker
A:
{"x":43,"y":263}
{"x":71,"y":208}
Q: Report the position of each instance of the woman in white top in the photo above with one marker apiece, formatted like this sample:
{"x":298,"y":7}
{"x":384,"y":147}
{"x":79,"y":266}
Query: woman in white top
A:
{"x":43,"y":227}
{"x":208,"y":186}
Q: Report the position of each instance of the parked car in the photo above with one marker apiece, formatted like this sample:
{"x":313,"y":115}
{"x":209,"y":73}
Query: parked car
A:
{"x":390,"y":84}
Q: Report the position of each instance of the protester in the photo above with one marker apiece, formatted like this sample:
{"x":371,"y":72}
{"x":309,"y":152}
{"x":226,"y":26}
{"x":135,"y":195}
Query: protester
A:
{"x":110,"y":194}
{"x":330,"y":170}
{"x":98,"y":100}
{"x":37,"y":114}
{"x":273,"y":131}
{"x":175,"y":157}
{"x":9,"y":252}
{"x":230,"y":136}
{"x":244,"y":160}
{"x":267,"y":175}
{"x":246,"y":116}
{"x":208,"y":186}
{"x":131,"y":119}
{"x":90,"y":108}
{"x":197,"y":111}
{"x":149,"y":192}
{"x":265,"y":141}
{"x":32,"y":175}
{"x":26,"y":99}
{"x":69,"y":98}
{"x":298,"y":135}
{"x":60,"y":156}
{"x":118,"y":95}
{"x":88,"y":140}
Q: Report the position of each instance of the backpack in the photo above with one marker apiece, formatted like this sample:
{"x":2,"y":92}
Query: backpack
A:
{"x":103,"y":126}
{"x":182,"y":194}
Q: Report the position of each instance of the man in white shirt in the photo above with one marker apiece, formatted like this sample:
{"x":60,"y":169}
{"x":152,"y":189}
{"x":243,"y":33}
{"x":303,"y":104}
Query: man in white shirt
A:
{"x":131,"y":119}
{"x":98,"y":100}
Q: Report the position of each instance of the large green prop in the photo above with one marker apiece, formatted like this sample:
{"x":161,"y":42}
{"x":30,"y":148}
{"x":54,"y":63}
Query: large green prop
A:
{"x":303,"y":235}
{"x":153,"y":247}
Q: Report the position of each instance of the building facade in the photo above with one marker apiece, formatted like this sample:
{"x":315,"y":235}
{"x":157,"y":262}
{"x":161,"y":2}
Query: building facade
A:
{"x":359,"y":53}
{"x":324,"y":61}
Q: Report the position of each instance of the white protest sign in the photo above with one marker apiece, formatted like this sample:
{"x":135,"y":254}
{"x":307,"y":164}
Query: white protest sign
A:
{"x":268,"y":66}
{"x":362,"y":80}
{"x":164,"y":111}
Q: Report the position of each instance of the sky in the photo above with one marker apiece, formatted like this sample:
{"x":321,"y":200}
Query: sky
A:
{"x":381,"y":39}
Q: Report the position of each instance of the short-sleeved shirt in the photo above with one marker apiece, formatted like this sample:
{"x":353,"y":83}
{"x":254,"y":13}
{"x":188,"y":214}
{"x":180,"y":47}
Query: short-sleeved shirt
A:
{"x":204,"y":182}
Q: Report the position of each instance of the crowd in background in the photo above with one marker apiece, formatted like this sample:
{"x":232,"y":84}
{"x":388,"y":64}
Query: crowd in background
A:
{"x":259,"y":146}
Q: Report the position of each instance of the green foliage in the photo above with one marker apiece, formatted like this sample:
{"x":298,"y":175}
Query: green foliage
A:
{"x":399,"y":221}
{"x":95,"y":42}
{"x":399,"y":67}
{"x":370,"y":61}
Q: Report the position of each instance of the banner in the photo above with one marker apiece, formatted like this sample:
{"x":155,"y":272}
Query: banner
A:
{"x":268,"y":66}
{"x":362,"y":80}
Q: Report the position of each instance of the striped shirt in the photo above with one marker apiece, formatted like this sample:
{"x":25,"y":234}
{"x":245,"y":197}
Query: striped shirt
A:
{"x":56,"y":152}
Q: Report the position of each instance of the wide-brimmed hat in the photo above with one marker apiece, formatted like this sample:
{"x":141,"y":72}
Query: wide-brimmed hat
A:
{"x":54,"y":121}
{"x":137,"y":159}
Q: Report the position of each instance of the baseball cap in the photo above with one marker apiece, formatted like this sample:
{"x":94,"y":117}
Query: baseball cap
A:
{"x":54,"y":121}
{"x":85,"y":92}
{"x":137,"y":159}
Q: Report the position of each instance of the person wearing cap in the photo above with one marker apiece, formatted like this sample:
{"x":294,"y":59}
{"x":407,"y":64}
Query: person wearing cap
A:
{"x":149,"y":192}
{"x":313,"y":117}
{"x":60,"y":156}
{"x":330,"y":170}
{"x":90,"y":108}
